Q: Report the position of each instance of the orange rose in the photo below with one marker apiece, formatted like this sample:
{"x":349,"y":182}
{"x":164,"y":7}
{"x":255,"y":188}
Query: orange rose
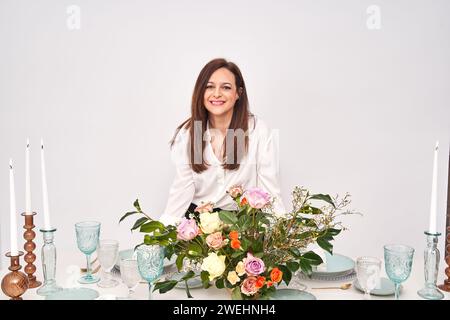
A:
{"x":234,"y":235}
{"x":244,"y":201}
{"x":269,"y":284}
{"x":276,"y":275}
{"x":260,"y":282}
{"x":235,"y":244}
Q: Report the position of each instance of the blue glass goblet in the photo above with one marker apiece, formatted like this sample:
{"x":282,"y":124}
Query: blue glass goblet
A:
{"x":150,"y":264}
{"x":398,"y":261}
{"x":88,"y":233}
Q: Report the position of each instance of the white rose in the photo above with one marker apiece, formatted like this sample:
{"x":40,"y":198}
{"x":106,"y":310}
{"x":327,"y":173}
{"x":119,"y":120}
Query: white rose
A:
{"x":214,"y":264}
{"x":233,"y":277}
{"x":210,"y":222}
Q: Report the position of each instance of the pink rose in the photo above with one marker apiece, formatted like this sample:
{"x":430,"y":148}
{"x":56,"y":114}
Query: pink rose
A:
{"x":215,"y":240}
{"x":205,"y":207}
{"x":248,"y":286}
{"x":235,"y":191}
{"x":256,"y":198}
{"x":187,"y":229}
{"x":253,"y":265}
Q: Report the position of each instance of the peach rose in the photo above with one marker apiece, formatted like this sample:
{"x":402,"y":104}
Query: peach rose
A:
{"x":215,"y":240}
{"x":205,"y":207}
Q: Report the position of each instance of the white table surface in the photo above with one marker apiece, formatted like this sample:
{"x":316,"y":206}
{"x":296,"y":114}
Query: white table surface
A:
{"x":66,"y":258}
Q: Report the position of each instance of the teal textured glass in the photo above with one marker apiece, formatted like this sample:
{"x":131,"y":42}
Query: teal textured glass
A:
{"x":398,"y":261}
{"x":431,"y":260}
{"x":48,"y":255}
{"x":150,"y":263}
{"x":88,"y":233}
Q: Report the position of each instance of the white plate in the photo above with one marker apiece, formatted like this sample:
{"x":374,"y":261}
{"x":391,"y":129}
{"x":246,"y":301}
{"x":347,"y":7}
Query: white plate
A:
{"x":336,"y":265}
{"x":387,"y":288}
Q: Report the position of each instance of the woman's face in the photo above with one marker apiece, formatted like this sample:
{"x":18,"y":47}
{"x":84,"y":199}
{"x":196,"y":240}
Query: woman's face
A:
{"x":221,"y":93}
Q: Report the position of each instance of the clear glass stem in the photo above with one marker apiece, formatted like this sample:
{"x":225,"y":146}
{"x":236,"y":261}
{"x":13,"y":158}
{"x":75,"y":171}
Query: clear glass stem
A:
{"x":150,"y":289}
{"x":108,"y":277}
{"x":367,"y":295}
{"x":130,"y":293}
{"x":88,"y":266}
{"x":397,"y":290}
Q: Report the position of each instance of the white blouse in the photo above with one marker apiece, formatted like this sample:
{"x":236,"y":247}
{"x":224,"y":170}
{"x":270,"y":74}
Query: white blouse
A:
{"x":259,"y":168}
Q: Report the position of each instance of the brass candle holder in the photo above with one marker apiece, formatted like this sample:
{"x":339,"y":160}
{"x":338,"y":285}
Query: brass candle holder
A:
{"x":29,"y":247}
{"x":15,"y":283}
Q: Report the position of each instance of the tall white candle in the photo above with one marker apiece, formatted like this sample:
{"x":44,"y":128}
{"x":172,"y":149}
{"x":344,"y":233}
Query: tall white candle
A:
{"x":433,"y":207}
{"x":13,"y":213}
{"x":47,"y":223}
{"x":27,"y":180}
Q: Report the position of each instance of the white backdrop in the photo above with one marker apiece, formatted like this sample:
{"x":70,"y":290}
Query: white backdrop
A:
{"x":359,"y":94}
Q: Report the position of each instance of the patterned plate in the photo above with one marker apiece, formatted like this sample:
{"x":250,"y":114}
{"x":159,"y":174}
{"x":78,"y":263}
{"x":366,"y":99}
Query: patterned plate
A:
{"x":74,"y":294}
{"x":387,"y":288}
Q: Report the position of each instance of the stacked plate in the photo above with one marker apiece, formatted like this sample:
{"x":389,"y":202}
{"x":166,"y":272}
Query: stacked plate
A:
{"x":338,"y":267}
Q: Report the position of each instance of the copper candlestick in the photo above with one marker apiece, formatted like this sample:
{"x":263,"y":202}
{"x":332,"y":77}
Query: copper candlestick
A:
{"x":446,"y":285}
{"x":29,"y":247}
{"x":15,"y":283}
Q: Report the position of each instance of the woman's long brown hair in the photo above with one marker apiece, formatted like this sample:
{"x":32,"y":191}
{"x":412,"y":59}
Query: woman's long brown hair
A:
{"x":239,"y":119}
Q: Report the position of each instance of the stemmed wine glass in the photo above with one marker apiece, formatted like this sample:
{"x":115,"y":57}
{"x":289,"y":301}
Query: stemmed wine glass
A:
{"x":88,"y":233}
{"x":108,"y":252}
{"x":130,"y":275}
{"x":150,"y":263}
{"x":398,"y":261}
{"x":368,"y":273}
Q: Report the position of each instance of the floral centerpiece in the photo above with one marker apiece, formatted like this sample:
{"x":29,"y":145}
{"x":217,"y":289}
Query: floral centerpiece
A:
{"x":250,"y":250}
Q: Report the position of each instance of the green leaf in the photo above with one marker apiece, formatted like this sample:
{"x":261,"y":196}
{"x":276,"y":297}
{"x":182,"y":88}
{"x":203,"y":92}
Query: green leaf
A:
{"x":228,"y":284}
{"x":287,"y":274}
{"x":244,"y":222}
{"x":323,"y":197}
{"x":165,"y":286}
{"x":310,"y":209}
{"x":236,"y":294}
{"x":188,"y":275}
{"x":152,"y":226}
{"x":220,"y":284}
{"x":293,"y":266}
{"x":127,"y":214}
{"x":258,"y":254}
{"x":139,"y":222}
{"x":204,"y":275}
{"x":149,"y":240}
{"x":237,"y":254}
{"x":179,"y":261}
{"x":333,"y":232}
{"x":304,"y":235}
{"x":194,"y":249}
{"x":295,"y":252}
{"x":137,"y":205}
{"x":325,"y":245}
{"x":228,"y":217}
{"x":257,"y":245}
{"x":305,"y":266}
{"x":312,"y":257}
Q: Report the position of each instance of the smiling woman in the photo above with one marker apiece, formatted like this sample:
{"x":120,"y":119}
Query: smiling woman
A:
{"x":222,"y":144}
